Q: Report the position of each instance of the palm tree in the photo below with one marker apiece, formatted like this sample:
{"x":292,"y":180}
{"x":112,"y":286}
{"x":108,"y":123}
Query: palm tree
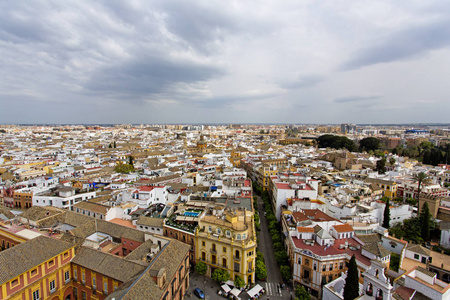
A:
{"x":421,"y":178}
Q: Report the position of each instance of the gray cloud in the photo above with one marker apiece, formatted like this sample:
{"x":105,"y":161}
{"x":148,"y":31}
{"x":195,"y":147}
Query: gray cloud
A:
{"x":164,"y":61}
{"x":303,"y":82}
{"x":402,"y":45}
{"x":146,"y":77}
{"x":357,"y":99}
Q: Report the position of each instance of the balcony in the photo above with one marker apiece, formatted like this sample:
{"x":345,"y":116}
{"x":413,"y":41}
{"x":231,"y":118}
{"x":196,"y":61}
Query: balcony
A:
{"x":306,"y":281}
{"x":213,"y":251}
{"x":237,"y":258}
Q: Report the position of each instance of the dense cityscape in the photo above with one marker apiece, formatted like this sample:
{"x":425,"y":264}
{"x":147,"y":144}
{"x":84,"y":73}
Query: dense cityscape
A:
{"x":242,"y":150}
{"x":339,"y":211}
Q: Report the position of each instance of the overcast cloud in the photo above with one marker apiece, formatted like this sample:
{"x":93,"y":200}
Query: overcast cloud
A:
{"x":224,"y":61}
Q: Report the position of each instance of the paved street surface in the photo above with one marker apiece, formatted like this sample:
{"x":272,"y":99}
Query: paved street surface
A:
{"x":266,"y":247}
{"x":210,"y":287}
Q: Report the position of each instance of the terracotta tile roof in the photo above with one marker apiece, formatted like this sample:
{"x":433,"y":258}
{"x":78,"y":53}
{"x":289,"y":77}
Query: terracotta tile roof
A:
{"x":170,"y":258}
{"x":305,"y":229}
{"x":107,"y":264}
{"x":23,"y":257}
{"x":369,"y":238}
{"x":418,"y":249}
{"x":343,"y":228}
{"x":376,"y":249}
{"x":92,"y":207}
{"x":148,"y":221}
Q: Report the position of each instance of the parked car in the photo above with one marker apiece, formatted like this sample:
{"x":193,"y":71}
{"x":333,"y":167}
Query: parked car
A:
{"x":199,"y":293}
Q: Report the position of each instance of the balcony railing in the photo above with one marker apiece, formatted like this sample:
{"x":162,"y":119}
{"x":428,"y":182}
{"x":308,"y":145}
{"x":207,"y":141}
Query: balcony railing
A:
{"x":306,"y":281}
{"x":237,"y":258}
{"x":214,"y":251}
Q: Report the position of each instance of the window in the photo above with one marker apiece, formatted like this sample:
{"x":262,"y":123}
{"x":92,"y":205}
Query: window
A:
{"x":51,"y":263}
{"x":306,"y":261}
{"x":209,"y":228}
{"x":83,"y":295}
{"x":228,"y":233}
{"x":238,"y":237}
{"x":219,"y":231}
{"x":66,"y":254}
{"x":36,"y":295}
{"x":315,"y":266}
{"x":66,"y":276}
{"x":224,"y":249}
{"x":94,"y":283}
{"x":244,"y":236}
{"x":203,"y":243}
{"x":83,"y":278}
{"x":75,"y":293}
{"x":330,"y":268}
{"x":236,"y":267}
{"x":416,"y":256}
{"x":75,"y":275}
{"x":341,"y":266}
{"x":52,"y":287}
{"x":33,"y":272}
{"x":324,"y":267}
{"x":105,"y":287}
{"x":14,"y":282}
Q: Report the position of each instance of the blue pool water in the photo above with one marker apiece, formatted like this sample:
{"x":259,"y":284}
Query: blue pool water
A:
{"x":191,"y":214}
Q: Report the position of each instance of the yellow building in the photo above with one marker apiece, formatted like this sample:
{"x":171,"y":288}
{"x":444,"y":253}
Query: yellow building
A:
{"x":225,"y":239}
{"x":36,"y":269}
{"x":388,"y":186}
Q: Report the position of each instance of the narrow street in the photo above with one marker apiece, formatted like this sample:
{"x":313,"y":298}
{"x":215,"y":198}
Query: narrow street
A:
{"x":266,"y":247}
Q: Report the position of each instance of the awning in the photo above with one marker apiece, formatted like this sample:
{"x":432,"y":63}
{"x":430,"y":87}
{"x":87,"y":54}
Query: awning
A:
{"x":226,"y":288}
{"x":235,"y":292}
{"x":229,"y":283}
{"x":255,"y":290}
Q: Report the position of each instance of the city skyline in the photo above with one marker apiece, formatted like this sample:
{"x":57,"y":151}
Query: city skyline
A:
{"x":157,"y":62}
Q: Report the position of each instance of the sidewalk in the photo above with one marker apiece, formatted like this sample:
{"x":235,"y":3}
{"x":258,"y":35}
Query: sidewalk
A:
{"x":210,"y":288}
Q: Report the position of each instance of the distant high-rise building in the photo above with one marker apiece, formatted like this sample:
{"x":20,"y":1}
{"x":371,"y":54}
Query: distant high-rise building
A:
{"x":348,"y":128}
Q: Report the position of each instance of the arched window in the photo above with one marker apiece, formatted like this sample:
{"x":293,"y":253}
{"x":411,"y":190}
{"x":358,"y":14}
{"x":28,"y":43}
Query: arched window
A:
{"x":238,"y":236}
{"x":228,"y":233}
{"x":237,"y":253}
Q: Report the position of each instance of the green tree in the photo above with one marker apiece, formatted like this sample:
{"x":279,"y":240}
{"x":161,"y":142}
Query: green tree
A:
{"x":285,"y":272}
{"x":425,"y":222}
{"x":386,"y":215}
{"x":421,"y":178}
{"x":369,"y":143}
{"x":336,"y":142}
{"x":220,"y":275}
{"x":395,"y":262}
{"x":123,"y":168}
{"x":281,"y":257}
{"x":381,"y":166}
{"x":351,"y":288}
{"x":301,"y":293}
{"x":392,"y":161}
{"x":239,"y":282}
{"x":260,"y":270}
{"x":201,"y":268}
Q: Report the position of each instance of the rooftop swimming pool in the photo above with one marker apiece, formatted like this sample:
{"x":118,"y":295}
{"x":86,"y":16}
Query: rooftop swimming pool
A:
{"x":191,"y":214}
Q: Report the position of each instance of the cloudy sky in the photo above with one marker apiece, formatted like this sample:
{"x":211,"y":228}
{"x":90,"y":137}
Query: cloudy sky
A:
{"x":224,"y":61}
